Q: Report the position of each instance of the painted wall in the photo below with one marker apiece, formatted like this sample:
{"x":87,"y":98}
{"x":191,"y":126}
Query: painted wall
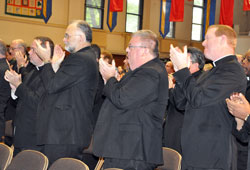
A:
{"x":65,"y":11}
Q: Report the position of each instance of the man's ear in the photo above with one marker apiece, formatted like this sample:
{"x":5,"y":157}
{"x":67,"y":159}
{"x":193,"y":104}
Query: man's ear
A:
{"x":223,"y":40}
{"x":83,"y":38}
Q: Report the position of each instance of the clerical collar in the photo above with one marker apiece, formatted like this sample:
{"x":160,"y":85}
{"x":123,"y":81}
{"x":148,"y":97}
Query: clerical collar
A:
{"x":38,"y":67}
{"x":220,"y":59}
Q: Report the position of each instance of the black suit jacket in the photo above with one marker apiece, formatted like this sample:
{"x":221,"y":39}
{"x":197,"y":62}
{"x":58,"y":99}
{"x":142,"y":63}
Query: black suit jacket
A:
{"x":243,"y":136}
{"x":129,"y":125}
{"x":29,"y":93}
{"x":206,"y":136}
{"x":4,"y":94}
{"x":65,"y":111}
{"x":174,"y":117}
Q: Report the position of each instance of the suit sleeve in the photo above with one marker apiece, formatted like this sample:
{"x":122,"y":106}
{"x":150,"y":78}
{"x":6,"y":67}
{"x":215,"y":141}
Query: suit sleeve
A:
{"x":179,"y":100}
{"x":72,"y":71}
{"x":243,"y":134}
{"x":229,"y":79}
{"x":30,"y":96}
{"x":4,"y":96}
{"x":140,"y":88}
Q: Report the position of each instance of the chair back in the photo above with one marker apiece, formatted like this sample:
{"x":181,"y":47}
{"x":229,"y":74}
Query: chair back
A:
{"x":8,"y":128}
{"x":172,"y":160}
{"x":68,"y":164}
{"x":6,"y":154}
{"x":29,"y":160}
{"x":99,"y":164}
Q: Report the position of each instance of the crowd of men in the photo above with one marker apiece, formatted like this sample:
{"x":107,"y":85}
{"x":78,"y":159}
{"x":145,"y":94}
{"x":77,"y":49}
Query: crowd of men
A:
{"x":62,"y":103}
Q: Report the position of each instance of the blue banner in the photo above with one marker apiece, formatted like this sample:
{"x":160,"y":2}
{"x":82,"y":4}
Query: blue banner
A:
{"x":164,"y":17}
{"x":209,"y":15}
{"x":111,"y":18}
{"x":46,"y":10}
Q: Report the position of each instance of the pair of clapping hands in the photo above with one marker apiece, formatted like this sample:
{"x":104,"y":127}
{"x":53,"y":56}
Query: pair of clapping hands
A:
{"x":44,"y":53}
{"x":179,"y":59}
{"x":107,"y":70}
{"x":239,"y":107}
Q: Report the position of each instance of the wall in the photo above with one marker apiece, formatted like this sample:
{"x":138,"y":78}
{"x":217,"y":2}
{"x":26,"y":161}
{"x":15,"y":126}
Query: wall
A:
{"x":66,"y":10}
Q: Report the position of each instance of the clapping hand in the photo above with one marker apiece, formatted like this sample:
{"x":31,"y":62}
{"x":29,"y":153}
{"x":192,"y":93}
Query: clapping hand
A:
{"x":13,"y":78}
{"x":107,"y":70}
{"x":57,"y":58}
{"x":22,"y":60}
{"x":179,"y":59}
{"x":43,"y":52}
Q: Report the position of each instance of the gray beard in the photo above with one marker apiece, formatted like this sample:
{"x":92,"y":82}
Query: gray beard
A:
{"x":70,"y":49}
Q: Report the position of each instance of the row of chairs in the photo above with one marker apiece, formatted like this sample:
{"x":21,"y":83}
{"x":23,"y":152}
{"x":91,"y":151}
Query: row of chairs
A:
{"x":30,"y":160}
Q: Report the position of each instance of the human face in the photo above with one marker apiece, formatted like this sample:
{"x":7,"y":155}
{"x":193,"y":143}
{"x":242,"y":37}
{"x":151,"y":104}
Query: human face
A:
{"x":134,"y":52}
{"x":211,"y":44}
{"x":14,"y":47}
{"x":169,"y":67}
{"x":71,"y":38}
{"x":34,"y":59}
{"x":246,"y":65}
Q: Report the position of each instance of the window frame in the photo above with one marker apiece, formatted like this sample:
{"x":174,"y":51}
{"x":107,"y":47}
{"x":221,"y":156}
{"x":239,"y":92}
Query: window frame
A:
{"x":95,"y":7}
{"x":173,"y":33}
{"x":202,"y":21}
{"x":140,"y":15}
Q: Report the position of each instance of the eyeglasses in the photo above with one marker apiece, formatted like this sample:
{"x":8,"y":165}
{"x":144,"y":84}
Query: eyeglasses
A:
{"x":134,"y":46}
{"x":13,"y":49}
{"x":67,"y":36}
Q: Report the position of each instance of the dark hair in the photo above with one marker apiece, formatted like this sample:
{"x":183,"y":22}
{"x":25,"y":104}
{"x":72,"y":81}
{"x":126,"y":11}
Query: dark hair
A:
{"x":3,"y":48}
{"x":85,"y":28}
{"x":46,"y":39}
{"x":197,"y":56}
{"x":96,"y":50}
{"x":107,"y":56}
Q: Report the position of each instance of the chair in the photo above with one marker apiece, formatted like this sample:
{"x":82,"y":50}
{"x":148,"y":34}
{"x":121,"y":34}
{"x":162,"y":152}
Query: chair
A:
{"x":6,"y":154}
{"x":68,"y":164}
{"x":172,"y":160}
{"x":89,"y":150}
{"x":8,"y":128}
{"x":99,"y":164}
{"x":29,"y":160}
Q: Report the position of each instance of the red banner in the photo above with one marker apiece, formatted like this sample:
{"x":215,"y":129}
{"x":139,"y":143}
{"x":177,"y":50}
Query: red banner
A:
{"x":116,"y":5}
{"x":227,"y":12}
{"x":246,"y":5}
{"x":177,"y":10}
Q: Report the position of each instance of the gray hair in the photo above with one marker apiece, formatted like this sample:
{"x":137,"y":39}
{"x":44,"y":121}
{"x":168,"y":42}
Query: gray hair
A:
{"x":196,"y":56}
{"x":3,"y":48}
{"x":21,"y":44}
{"x":149,"y":38}
{"x":85,"y":28}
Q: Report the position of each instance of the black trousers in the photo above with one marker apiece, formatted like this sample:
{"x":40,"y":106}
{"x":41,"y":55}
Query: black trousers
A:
{"x":128,"y":164}
{"x":56,"y":151}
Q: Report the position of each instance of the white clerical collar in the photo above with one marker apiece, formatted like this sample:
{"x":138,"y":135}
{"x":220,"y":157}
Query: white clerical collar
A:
{"x":37,"y":67}
{"x":220,"y":59}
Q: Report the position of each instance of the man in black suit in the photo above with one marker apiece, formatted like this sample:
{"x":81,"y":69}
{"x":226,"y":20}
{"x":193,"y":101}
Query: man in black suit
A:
{"x":28,"y":91}
{"x":128,"y":132}
{"x":177,"y":103}
{"x":4,"y":88}
{"x":206,"y":140}
{"x":65,"y":116}
{"x":243,"y":160}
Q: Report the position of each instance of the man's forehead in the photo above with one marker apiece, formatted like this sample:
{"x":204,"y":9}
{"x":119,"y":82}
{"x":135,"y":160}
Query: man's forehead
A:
{"x":135,"y":39}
